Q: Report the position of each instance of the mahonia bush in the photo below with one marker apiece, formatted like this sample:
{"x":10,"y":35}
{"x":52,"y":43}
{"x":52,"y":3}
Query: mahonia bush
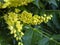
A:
{"x":16,"y":20}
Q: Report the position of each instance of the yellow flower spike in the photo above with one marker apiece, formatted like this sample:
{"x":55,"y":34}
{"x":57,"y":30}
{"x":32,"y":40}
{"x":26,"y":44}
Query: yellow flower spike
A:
{"x":27,"y":17}
{"x":19,"y":26}
{"x":15,"y":3}
{"x":11,"y":18}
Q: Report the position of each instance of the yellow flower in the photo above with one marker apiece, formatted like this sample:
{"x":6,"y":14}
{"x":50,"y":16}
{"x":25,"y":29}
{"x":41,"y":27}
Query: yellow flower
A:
{"x":15,"y":3}
{"x":6,"y":4}
{"x":20,"y":43}
{"x":13,"y":16}
{"x":36,"y":20}
{"x":11,"y":27}
{"x":26,"y":17}
{"x":47,"y":18}
{"x":17,"y":10}
{"x":14,"y":31}
{"x":19,"y":26}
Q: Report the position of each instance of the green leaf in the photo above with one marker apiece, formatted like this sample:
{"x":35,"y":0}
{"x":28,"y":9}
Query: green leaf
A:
{"x":55,"y":21}
{"x":38,"y":4}
{"x":53,"y":2}
{"x":56,"y":37}
{"x":43,"y":41}
{"x":1,"y":0}
{"x":31,"y":37}
{"x":28,"y":37}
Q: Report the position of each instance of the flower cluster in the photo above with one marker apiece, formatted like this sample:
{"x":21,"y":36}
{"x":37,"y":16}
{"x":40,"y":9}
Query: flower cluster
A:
{"x":25,"y":17}
{"x":16,"y":21}
{"x":15,"y":3}
{"x":47,"y":18}
{"x":14,"y":25}
{"x":28,"y":18}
